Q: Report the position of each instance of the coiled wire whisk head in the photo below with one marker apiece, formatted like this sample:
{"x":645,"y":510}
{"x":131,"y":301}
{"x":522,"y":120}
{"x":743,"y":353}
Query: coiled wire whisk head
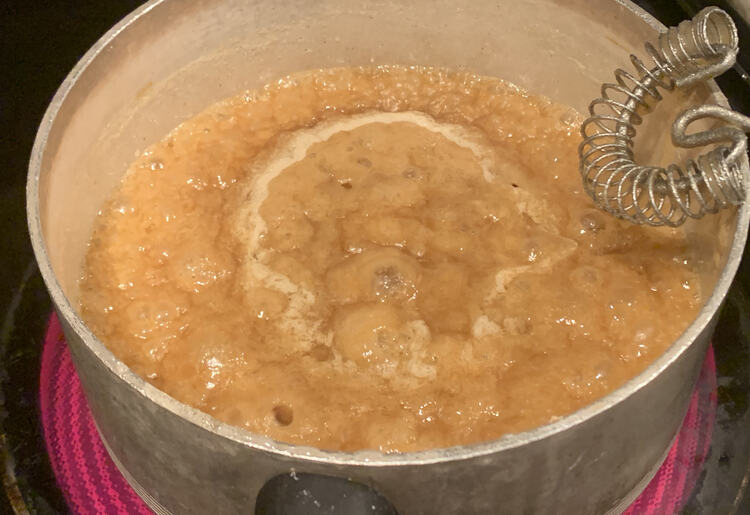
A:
{"x":694,"y":51}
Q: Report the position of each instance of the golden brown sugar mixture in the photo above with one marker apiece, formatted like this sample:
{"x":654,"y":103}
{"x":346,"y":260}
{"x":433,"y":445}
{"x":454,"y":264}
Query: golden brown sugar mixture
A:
{"x":379,"y":258}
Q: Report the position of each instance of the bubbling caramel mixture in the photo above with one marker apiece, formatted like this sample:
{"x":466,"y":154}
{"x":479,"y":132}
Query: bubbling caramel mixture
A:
{"x":379,"y":258}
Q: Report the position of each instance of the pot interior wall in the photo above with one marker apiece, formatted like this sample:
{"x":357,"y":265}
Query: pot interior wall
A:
{"x":143,"y":85}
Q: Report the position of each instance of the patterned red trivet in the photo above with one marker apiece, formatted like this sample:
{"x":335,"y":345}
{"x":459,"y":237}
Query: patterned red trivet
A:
{"x":92,"y":484}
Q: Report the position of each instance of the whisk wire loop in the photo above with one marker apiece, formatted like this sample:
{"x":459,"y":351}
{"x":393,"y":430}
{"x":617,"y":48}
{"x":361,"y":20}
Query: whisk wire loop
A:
{"x":694,"y":51}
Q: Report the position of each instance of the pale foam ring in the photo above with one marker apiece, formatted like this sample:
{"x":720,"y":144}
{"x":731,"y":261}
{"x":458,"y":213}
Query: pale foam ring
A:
{"x":297,"y":319}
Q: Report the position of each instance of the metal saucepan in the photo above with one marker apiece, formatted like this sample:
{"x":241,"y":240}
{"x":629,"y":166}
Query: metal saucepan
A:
{"x":171,"y":58}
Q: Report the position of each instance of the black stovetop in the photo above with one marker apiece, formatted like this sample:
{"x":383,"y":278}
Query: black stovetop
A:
{"x":39,"y":44}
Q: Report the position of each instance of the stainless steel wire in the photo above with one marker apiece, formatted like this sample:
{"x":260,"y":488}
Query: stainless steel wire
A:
{"x":694,"y":51}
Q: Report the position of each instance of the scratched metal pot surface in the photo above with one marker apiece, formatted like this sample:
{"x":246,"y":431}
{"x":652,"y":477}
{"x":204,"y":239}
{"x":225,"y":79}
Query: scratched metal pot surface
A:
{"x":167,"y":61}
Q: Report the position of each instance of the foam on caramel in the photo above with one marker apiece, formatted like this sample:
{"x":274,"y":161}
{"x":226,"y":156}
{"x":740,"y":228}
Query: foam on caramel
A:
{"x":390,"y":258}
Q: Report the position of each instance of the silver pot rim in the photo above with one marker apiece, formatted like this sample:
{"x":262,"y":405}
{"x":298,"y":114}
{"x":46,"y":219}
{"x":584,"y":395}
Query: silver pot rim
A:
{"x":312,"y":454}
